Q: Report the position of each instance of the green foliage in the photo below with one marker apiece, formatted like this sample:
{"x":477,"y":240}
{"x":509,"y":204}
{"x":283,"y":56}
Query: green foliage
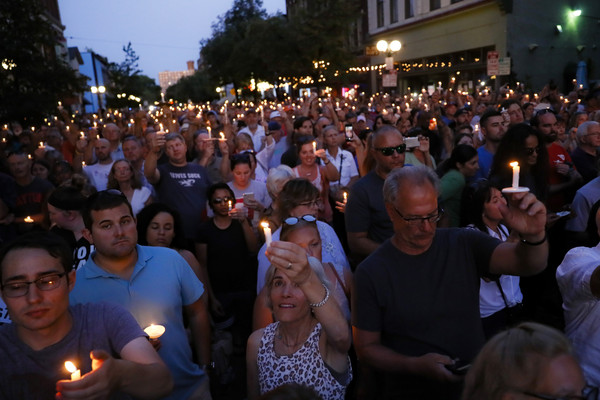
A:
{"x":246,"y":44}
{"x":198,"y":88}
{"x":39,"y":78}
{"x":126,"y":78}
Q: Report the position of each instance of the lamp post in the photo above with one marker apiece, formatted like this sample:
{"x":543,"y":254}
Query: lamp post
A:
{"x":390,"y":79}
{"x":98,"y":90}
{"x":389,"y":48}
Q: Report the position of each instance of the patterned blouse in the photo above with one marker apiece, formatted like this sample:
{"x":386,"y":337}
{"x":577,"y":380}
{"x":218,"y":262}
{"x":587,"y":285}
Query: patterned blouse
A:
{"x":305,"y":366}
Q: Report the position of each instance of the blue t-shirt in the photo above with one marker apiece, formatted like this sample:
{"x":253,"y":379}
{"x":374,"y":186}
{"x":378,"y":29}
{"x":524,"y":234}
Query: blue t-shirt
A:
{"x":161,"y":284}
{"x":29,"y":374}
{"x":485,"y":163}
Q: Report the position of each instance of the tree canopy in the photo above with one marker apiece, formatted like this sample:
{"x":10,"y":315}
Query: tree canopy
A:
{"x":33,"y":78}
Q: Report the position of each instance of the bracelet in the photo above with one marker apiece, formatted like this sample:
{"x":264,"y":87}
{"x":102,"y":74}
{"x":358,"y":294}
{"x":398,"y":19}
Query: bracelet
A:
{"x":528,"y":243}
{"x":327,"y":163}
{"x":322,"y":302}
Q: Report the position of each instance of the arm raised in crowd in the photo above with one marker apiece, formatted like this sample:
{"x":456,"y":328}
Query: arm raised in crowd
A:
{"x":156,"y":142}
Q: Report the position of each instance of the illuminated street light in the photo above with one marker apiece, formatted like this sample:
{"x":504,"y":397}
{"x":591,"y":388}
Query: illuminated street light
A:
{"x":389,"y":48}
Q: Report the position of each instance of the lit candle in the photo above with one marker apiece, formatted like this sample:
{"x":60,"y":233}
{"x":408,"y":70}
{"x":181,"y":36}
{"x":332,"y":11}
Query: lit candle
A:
{"x":265,"y":226}
{"x":42,"y":145}
{"x":345,"y":197}
{"x":230,"y":205}
{"x":209,"y":131}
{"x":28,"y":219}
{"x":161,"y":127}
{"x":516,"y":170}
{"x":75,"y":373}
{"x":83,"y":164}
{"x":154,"y":331}
{"x":222,"y":136}
{"x":3,"y":140}
{"x":81,"y":135}
{"x":314,"y":147}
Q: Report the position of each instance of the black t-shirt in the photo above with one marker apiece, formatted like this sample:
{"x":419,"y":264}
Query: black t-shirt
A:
{"x":428,"y":302}
{"x":230,"y":266}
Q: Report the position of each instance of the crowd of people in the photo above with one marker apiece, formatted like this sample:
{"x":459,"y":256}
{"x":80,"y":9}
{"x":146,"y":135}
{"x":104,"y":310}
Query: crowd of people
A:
{"x":344,"y":248}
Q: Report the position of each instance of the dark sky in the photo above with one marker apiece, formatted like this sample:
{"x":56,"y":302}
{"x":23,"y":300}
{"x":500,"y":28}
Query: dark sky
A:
{"x":164,"y":34}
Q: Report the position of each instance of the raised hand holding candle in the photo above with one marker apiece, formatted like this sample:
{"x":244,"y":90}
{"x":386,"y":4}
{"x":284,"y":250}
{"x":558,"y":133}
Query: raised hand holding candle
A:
{"x":154,"y":331}
{"x":75,"y":373}
{"x":268,"y":239}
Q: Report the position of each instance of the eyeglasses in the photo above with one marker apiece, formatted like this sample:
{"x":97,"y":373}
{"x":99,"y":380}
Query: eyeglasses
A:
{"x":295,"y":220}
{"x":544,"y":111}
{"x":45,"y":283}
{"x":388,"y":151}
{"x":219,"y":200}
{"x":588,"y":393}
{"x":531,"y":150}
{"x":312,"y":203}
{"x":414,"y":221}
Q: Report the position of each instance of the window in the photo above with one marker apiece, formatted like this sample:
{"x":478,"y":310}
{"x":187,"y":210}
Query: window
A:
{"x":379,"y":13}
{"x":393,"y":11}
{"x":409,"y":9}
{"x":434,"y":4}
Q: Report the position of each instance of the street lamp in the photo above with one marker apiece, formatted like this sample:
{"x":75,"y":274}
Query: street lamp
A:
{"x":98,"y":90}
{"x":389,"y":48}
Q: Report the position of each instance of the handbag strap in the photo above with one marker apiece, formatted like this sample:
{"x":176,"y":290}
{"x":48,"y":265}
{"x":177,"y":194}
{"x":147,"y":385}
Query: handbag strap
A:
{"x":337,"y":276}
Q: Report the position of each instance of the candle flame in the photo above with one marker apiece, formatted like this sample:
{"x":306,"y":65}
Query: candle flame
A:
{"x":222,"y":135}
{"x":514,"y":164}
{"x":264,"y":224}
{"x":70,"y":366}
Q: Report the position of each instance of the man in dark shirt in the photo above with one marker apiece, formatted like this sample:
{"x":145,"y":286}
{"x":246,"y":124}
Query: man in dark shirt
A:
{"x":416,"y":302}
{"x":585,"y":156}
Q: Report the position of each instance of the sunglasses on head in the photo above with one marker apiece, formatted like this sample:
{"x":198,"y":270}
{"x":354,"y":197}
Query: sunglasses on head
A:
{"x":295,"y":220}
{"x":388,"y":151}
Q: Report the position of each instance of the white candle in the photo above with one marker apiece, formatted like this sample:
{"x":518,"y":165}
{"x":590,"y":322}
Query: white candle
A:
{"x":222,"y":136}
{"x":314,"y":147}
{"x":265,"y":226}
{"x":516,"y":170}
{"x":75,"y":373}
{"x":209,"y":132}
{"x":42,"y":145}
{"x":230,"y":205}
{"x":345,"y":197}
{"x":154,"y":331}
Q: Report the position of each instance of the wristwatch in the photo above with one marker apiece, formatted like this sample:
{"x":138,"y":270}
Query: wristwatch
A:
{"x":208,"y":367}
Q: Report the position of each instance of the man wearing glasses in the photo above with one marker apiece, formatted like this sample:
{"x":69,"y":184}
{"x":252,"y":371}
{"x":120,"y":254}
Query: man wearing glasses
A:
{"x":367,"y":222}
{"x":416,"y":303}
{"x":104,"y":341}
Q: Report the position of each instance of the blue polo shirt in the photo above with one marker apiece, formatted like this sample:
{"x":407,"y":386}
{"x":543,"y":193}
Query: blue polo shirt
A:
{"x":161,"y":284}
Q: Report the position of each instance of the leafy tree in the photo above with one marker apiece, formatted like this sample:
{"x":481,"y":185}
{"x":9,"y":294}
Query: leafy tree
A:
{"x":126,"y":78}
{"x":197,"y":87}
{"x":32,"y":77}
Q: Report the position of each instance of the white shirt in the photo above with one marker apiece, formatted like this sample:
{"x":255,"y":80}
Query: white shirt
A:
{"x":490,"y":298}
{"x":343,"y":160}
{"x":257,"y":137}
{"x":582,"y":308}
{"x":98,"y":174}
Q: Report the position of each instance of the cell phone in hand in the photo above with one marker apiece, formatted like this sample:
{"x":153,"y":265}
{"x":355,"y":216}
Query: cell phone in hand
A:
{"x":349,"y":132}
{"x":248,"y":196}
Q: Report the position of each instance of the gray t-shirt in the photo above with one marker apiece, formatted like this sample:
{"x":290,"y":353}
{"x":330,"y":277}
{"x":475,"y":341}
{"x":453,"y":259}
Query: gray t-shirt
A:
{"x":29,"y":374}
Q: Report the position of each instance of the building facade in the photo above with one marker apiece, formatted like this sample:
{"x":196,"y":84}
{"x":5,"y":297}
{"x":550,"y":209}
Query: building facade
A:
{"x":169,"y":78}
{"x":447,"y":41}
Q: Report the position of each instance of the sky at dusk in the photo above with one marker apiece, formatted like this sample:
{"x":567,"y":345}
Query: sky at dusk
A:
{"x":164,"y":34}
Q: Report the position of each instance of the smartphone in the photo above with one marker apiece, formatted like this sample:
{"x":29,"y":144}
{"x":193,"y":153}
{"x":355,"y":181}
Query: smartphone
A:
{"x":248,"y":196}
{"x":349,"y":131}
{"x":411,"y":142}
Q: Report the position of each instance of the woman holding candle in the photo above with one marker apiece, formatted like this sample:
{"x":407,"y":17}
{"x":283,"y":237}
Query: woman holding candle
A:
{"x":252,"y":196}
{"x":127,"y":180}
{"x":462,"y":165}
{"x":309,"y":343}
{"x":227,"y":246}
{"x":318,"y":175}
{"x":522,"y":144}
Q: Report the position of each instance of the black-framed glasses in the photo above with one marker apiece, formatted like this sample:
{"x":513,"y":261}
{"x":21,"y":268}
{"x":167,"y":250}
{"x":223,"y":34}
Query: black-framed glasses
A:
{"x":432,"y":219}
{"x":388,"y":151}
{"x":531,"y":150}
{"x":588,"y":393}
{"x":295,"y":220}
{"x":45,"y":283}
{"x":218,"y":200}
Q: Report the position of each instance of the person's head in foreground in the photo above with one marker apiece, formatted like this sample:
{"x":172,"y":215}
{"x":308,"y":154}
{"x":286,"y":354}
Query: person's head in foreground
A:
{"x":529,"y":361}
